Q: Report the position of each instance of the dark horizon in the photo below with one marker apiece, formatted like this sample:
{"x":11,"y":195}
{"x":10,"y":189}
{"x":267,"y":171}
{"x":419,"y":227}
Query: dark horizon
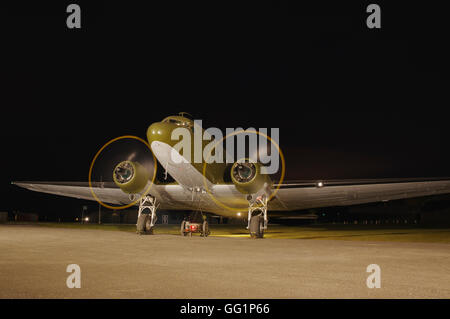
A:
{"x":350,"y":102}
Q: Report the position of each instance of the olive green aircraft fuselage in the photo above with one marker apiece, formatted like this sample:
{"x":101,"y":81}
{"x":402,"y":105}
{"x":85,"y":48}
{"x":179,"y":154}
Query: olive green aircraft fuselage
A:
{"x":162,"y":132}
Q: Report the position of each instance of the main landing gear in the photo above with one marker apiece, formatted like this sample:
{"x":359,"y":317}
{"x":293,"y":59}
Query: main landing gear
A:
{"x":146,"y":215}
{"x":257,"y":216}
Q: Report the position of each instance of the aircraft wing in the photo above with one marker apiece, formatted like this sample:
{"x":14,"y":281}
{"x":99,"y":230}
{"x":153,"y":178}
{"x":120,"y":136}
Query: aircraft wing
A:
{"x":170,"y":196}
{"x":290,"y":196}
{"x":307,"y":194}
{"x":107,"y":192}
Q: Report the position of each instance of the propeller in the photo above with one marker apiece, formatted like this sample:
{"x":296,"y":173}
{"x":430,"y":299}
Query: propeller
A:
{"x":118,"y":152}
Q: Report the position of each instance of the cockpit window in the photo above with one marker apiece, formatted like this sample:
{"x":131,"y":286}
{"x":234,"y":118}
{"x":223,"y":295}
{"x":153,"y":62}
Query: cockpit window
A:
{"x":174,"y":121}
{"x":178,"y":122}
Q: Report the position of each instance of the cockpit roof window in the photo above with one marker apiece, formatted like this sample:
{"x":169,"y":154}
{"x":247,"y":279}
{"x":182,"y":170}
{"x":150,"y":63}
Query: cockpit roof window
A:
{"x":178,"y":120}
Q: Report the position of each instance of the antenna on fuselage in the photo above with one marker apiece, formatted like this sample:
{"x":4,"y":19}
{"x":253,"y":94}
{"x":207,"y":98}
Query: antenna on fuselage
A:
{"x":183,"y":114}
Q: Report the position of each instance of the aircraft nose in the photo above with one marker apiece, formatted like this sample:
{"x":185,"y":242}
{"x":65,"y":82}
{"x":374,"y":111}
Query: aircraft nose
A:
{"x":153,"y":131}
{"x":159,"y":132}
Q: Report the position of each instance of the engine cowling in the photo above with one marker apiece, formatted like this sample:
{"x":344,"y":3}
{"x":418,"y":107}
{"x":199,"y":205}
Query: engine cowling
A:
{"x":247,"y":177}
{"x":130,"y":176}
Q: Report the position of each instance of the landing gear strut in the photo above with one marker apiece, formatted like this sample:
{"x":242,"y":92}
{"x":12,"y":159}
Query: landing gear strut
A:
{"x":146,"y":215}
{"x":257,"y":216}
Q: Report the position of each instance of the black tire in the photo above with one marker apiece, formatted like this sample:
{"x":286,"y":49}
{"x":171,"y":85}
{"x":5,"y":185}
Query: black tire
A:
{"x":182,"y":232}
{"x":148,"y":228}
{"x":256,"y":227}
{"x":140,"y":225}
{"x":261,"y":227}
{"x":205,"y":229}
{"x":148,"y":223}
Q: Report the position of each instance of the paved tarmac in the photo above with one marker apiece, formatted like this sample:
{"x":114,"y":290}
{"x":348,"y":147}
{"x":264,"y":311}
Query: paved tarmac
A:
{"x":117,"y":264}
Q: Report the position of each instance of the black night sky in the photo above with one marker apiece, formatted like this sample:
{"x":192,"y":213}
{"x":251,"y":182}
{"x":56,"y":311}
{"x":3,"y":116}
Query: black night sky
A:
{"x":350,"y":102}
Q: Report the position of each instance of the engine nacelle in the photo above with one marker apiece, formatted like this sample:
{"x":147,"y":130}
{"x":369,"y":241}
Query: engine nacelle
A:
{"x":131,"y":177}
{"x":247,"y":177}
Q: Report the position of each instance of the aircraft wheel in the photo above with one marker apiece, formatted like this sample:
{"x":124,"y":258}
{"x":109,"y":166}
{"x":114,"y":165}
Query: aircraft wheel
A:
{"x":182,"y":232}
{"x":261,"y":227}
{"x":205,"y":229}
{"x":141,"y":222}
{"x":148,"y":228}
{"x":256,"y":227}
{"x":148,"y":225}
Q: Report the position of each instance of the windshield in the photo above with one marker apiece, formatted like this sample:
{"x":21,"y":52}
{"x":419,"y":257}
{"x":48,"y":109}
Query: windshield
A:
{"x":177,"y":122}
